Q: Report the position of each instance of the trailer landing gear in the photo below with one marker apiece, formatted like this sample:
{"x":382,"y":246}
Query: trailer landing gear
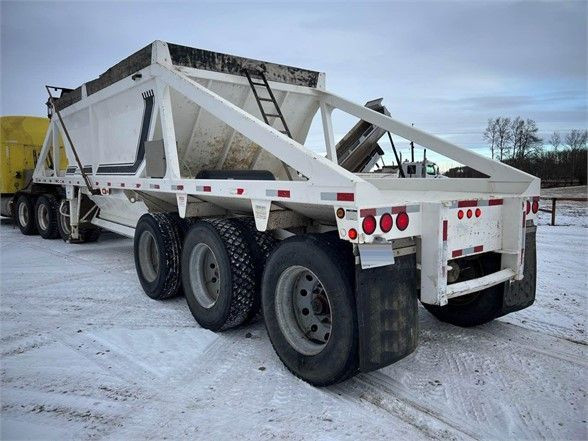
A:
{"x":309,"y":309}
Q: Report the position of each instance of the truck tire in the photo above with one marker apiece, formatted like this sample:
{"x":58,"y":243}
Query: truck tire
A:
{"x":24,"y":214}
{"x":88,"y":233}
{"x":261,"y":245}
{"x":218,"y":274}
{"x":309,"y":309}
{"x":157,"y":251}
{"x":46,"y":213}
{"x":478,"y":307}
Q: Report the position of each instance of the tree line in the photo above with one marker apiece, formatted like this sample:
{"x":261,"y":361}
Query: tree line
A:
{"x":517,"y":142}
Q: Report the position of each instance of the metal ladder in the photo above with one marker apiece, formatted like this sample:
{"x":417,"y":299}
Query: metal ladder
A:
{"x":270,"y":99}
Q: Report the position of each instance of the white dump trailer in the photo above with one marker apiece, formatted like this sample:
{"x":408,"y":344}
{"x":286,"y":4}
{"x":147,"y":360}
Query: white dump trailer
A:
{"x":200,"y":157}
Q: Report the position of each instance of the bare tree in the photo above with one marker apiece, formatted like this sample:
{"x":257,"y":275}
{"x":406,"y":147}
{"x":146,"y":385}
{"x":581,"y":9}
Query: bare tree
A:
{"x":503,"y":136}
{"x":555,"y":141}
{"x":491,"y":134}
{"x":525,"y":139}
{"x":577,"y":139}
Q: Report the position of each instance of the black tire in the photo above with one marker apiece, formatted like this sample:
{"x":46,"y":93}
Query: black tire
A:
{"x":46,"y":209}
{"x":228,"y":302}
{"x":476,"y":308}
{"x":157,"y":250}
{"x":24,"y":214}
{"x":87,"y":232}
{"x":261,"y":245}
{"x":338,"y":358}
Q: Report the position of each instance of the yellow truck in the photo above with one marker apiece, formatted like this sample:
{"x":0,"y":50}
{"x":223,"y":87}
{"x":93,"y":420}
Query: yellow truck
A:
{"x":21,"y":139}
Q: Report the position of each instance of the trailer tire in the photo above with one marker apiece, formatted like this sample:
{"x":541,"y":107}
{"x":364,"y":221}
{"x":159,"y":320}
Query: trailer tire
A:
{"x":476,"y":308}
{"x":157,"y":249}
{"x":261,"y":245}
{"x":24,"y":214}
{"x":300,"y":266}
{"x":46,"y":213}
{"x":218,"y":275}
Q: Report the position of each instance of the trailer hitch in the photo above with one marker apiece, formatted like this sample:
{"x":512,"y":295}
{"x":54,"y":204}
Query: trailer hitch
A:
{"x":51,"y":101}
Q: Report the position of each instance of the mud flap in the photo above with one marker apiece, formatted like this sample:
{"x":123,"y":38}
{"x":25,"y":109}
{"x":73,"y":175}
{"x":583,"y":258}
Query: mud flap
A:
{"x":387,"y":311}
{"x":521,"y":294}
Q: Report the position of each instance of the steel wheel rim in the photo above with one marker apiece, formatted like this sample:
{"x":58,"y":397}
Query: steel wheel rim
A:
{"x":23,"y":214}
{"x":43,"y":216}
{"x":204,"y":275}
{"x":303,"y":310}
{"x":148,"y":256}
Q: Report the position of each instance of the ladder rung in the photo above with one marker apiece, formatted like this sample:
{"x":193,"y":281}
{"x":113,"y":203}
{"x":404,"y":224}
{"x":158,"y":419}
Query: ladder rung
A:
{"x":266,"y":99}
{"x":257,"y":84}
{"x":272,"y":115}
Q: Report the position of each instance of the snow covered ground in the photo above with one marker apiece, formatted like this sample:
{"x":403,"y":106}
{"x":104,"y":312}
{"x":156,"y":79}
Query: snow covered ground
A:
{"x":86,"y":355}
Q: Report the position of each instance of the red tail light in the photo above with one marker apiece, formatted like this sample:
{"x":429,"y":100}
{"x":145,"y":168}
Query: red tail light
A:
{"x":460,"y":214}
{"x":535,"y":207}
{"x":369,"y":224}
{"x":386,"y":222}
{"x":469,"y":214}
{"x":478,"y":212}
{"x":352,"y":233}
{"x":402,"y":221}
{"x":528,"y":207}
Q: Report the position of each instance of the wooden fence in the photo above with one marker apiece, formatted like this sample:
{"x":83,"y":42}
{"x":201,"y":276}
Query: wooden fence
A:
{"x":554,"y":204}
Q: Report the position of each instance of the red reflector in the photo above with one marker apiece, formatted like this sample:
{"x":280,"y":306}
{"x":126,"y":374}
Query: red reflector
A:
{"x":535,"y":206}
{"x":386,"y":222}
{"x":240,"y":190}
{"x":479,"y":249}
{"x":495,"y":202}
{"x":469,"y":214}
{"x":460,"y":214}
{"x":138,"y":185}
{"x":352,"y":233}
{"x":179,"y":187}
{"x":528,"y":207}
{"x":478,"y":212}
{"x":402,"y":221}
{"x":283,"y":193}
{"x":206,"y":188}
{"x":456,"y":253}
{"x":445,"y":230}
{"x":369,"y":225}
{"x":345,"y":197}
{"x":122,"y":184}
{"x":467,"y":203}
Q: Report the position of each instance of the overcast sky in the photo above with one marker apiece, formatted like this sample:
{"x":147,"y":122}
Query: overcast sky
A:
{"x":445,"y":66}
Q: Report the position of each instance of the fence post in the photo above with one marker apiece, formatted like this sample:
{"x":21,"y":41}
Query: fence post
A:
{"x":553,"y":200}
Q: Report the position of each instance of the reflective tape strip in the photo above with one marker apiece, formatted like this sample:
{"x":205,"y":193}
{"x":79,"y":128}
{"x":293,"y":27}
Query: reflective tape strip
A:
{"x":206,"y":188}
{"x":177,"y":187}
{"x":468,"y":203}
{"x":337,"y":196}
{"x":415,"y":208}
{"x":277,"y":193}
{"x":154,"y":186}
{"x":445,"y":231}
{"x":466,"y":251}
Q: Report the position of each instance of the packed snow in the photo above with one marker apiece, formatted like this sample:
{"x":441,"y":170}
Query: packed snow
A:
{"x":86,"y":355}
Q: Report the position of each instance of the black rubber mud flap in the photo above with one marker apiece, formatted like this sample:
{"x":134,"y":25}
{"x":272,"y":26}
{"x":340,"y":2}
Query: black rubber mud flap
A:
{"x":387,"y":310}
{"x":521,"y":294}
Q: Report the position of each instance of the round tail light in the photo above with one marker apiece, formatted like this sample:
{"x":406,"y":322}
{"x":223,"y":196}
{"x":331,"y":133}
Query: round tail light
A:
{"x":402,"y":221}
{"x":528,"y":207}
{"x":369,"y":224}
{"x":386,"y":222}
{"x":352,"y":234}
{"x":478,"y":212}
{"x":535,"y":207}
{"x":469,"y":214}
{"x":460,"y":214}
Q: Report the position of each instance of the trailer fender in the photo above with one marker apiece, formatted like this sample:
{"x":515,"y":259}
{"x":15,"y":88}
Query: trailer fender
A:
{"x":520,"y":294}
{"x":387,"y":311}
